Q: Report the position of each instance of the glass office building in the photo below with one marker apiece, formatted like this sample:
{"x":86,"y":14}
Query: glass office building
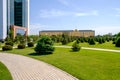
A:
{"x":13,"y":12}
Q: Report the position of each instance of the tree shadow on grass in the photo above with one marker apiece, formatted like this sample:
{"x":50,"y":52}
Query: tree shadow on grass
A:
{"x":73,"y":51}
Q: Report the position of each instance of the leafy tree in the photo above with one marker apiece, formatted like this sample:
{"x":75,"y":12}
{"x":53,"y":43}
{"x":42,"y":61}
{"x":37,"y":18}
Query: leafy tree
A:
{"x":44,"y":45}
{"x":11,"y":33}
{"x":19,"y":39}
{"x":33,"y":38}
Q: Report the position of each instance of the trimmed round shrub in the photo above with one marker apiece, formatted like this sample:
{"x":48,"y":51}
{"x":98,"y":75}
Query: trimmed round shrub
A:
{"x":75,"y":46}
{"x":91,"y":41}
{"x":30,"y":44}
{"x":9,"y":43}
{"x":21,"y":46}
{"x":44,"y":46}
{"x":117,"y":44}
{"x":7,"y":47}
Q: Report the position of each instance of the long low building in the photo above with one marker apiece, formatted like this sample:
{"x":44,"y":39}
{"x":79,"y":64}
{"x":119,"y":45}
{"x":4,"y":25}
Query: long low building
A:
{"x":77,"y":33}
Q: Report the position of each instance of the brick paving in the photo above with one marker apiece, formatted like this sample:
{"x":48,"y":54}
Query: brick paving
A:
{"x":25,"y":68}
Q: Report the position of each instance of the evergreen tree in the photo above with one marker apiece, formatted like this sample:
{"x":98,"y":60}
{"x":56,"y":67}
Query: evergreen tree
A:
{"x":91,"y":41}
{"x":44,"y":45}
{"x":75,"y":46}
{"x":118,"y":42}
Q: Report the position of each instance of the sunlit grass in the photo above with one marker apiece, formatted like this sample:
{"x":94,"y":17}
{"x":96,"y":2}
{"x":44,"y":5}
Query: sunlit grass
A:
{"x":85,"y":64}
{"x":4,"y":73}
{"x":106,"y":45}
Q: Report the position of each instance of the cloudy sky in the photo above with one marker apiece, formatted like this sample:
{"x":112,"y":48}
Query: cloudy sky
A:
{"x":103,"y":16}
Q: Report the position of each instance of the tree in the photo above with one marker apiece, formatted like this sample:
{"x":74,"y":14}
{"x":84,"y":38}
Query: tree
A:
{"x":91,"y":41}
{"x":100,"y":41}
{"x":118,"y":35}
{"x":20,"y":39}
{"x":75,"y":46}
{"x":11,"y":33}
{"x":44,"y":45}
{"x":117,"y":44}
{"x":64,"y":39}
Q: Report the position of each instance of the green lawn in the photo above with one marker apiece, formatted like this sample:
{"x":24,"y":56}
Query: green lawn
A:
{"x":4,"y":73}
{"x":106,"y":45}
{"x":85,"y":65}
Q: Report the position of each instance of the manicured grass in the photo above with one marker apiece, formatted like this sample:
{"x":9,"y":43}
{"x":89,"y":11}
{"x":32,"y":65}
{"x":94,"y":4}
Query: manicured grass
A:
{"x":4,"y":73}
{"x":85,"y":65}
{"x":106,"y":45}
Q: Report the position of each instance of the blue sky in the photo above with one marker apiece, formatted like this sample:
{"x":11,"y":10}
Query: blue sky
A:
{"x":103,"y":16}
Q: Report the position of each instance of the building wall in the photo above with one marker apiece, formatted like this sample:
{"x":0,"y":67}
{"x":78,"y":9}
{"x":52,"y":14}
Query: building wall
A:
{"x":70,"y":33}
{"x":9,"y":15}
{"x":3,"y":19}
{"x":51,"y":33}
{"x":26,"y":13}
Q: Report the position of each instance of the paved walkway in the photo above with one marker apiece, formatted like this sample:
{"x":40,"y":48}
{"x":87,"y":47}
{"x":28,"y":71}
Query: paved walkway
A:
{"x":25,"y":68}
{"x":100,"y":49}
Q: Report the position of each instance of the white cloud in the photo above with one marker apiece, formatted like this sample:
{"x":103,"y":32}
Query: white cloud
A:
{"x":106,"y":29}
{"x":35,"y":28}
{"x":92,"y":13}
{"x":58,"y":13}
{"x":51,"y":13}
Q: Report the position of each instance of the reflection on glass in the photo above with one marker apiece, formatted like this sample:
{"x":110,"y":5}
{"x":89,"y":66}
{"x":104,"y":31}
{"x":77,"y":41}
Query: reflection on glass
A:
{"x":20,"y":31}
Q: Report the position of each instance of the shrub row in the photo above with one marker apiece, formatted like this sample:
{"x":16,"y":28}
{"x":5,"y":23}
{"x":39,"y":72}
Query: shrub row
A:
{"x":9,"y":46}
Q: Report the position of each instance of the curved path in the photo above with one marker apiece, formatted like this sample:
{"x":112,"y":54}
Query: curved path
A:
{"x":25,"y":68}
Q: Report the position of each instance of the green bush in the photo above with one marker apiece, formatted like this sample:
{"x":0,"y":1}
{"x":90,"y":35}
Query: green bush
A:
{"x":117,"y":44}
{"x":7,"y":47}
{"x":75,"y":46}
{"x":9,"y":43}
{"x":44,"y":45}
{"x":21,"y":46}
{"x":30,"y":44}
{"x":91,"y":41}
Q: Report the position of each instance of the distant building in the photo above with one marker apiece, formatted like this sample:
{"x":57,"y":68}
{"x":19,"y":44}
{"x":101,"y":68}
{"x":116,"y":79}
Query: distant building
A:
{"x":13,"y":13}
{"x":77,"y":33}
